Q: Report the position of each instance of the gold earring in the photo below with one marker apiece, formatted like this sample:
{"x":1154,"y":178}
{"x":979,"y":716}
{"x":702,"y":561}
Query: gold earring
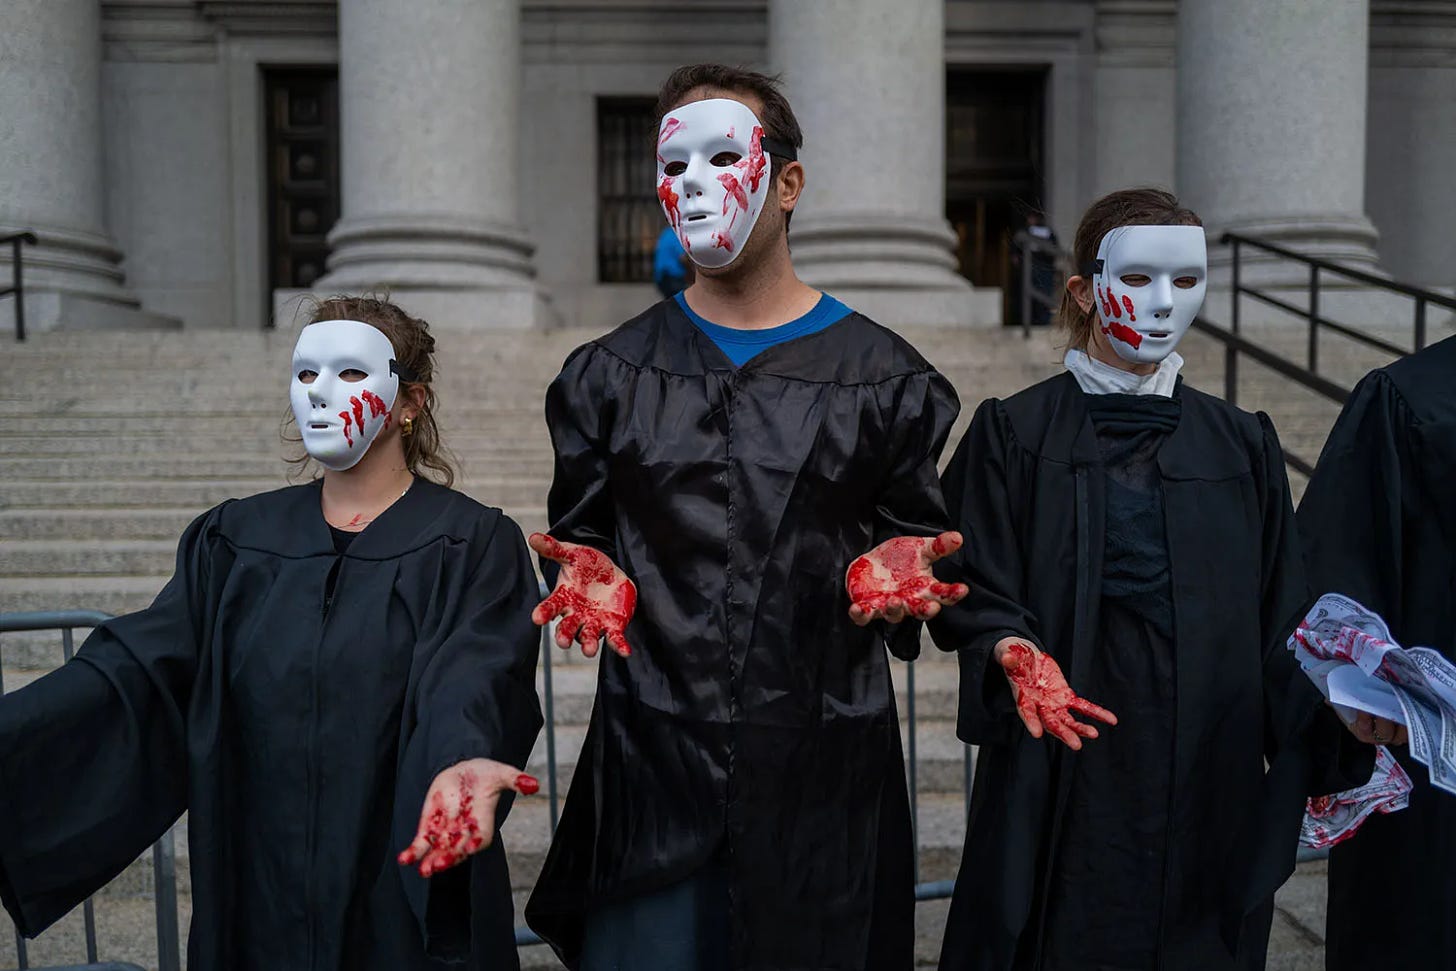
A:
{"x":408,"y":428}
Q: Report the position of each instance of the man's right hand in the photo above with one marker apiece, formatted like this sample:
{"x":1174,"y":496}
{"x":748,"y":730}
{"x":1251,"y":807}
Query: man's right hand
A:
{"x":1043,"y":698}
{"x":593,"y":598}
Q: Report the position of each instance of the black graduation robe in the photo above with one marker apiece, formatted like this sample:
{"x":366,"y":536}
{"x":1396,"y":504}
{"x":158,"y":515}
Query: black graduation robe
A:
{"x":1379,"y":525}
{"x":1026,"y":489}
{"x":753,"y":716}
{"x":301,"y":735}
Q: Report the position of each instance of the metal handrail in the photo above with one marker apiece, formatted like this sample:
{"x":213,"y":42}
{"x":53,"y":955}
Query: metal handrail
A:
{"x":164,"y":864}
{"x":1029,"y":246}
{"x":17,"y":286}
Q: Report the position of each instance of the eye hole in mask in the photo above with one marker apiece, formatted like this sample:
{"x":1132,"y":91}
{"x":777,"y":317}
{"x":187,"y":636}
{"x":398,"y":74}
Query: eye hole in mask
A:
{"x":307,"y":377}
{"x":675,"y":169}
{"x":1142,"y":280}
{"x":724,"y":159}
{"x":353,"y":375}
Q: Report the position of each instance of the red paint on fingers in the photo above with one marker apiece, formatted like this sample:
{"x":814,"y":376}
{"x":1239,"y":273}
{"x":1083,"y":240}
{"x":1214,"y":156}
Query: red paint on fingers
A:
{"x":527,"y":785}
{"x":1043,"y":695}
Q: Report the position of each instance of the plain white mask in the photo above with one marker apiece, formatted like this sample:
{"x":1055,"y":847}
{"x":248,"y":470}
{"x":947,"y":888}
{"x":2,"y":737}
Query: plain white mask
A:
{"x":710,"y":201}
{"x":340,"y":418}
{"x":1144,"y":321}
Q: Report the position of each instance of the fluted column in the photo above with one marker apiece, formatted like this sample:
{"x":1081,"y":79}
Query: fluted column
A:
{"x":867,"y":82}
{"x":50,"y":167}
{"x":1271,"y":126}
{"x":429,"y":96}
{"x":1411,"y":179}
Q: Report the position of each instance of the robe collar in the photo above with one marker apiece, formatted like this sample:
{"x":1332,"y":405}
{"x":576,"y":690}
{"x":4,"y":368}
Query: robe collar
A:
{"x":290,"y":522}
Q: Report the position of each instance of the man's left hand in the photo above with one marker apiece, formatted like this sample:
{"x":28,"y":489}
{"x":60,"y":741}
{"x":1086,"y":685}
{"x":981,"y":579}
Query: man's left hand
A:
{"x":894,"y":581}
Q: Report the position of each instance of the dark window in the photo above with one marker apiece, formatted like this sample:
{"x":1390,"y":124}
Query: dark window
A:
{"x":303,"y":172}
{"x":628,"y":217}
{"x":993,"y":167}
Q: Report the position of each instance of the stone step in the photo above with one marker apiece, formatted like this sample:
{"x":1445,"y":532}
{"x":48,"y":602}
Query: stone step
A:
{"x":504,"y":491}
{"x":50,"y":557}
{"x":535,"y":463}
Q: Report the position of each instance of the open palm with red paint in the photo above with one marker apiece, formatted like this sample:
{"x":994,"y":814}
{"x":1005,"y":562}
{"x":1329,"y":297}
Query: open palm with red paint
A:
{"x":459,"y":814}
{"x":593,"y":598}
{"x":894,"y":580}
{"x":1043,"y":698}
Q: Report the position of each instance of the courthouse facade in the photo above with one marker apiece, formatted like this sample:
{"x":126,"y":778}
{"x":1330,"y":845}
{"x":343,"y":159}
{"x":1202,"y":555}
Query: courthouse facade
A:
{"x":489,"y":161}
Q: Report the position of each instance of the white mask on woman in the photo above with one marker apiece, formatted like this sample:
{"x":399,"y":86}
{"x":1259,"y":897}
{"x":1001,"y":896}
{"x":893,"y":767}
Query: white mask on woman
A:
{"x":1149,"y":283}
{"x":345,"y":380}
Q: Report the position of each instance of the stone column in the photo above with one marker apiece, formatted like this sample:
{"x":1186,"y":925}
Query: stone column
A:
{"x":50,"y":168}
{"x":1135,"y":94}
{"x":1271,"y":126}
{"x":867,"y":82}
{"x":429,"y":123}
{"x":1411,"y":179}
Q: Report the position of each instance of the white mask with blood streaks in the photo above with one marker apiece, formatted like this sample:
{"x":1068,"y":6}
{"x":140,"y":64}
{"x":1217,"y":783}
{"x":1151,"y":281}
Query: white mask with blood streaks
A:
{"x":1145,"y":320}
{"x":339,"y":412}
{"x":712,"y":177}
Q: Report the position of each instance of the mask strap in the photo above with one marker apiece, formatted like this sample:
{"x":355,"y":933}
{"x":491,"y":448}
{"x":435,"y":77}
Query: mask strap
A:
{"x":1091,"y":267}
{"x":402,"y":372}
{"x":782,"y":149}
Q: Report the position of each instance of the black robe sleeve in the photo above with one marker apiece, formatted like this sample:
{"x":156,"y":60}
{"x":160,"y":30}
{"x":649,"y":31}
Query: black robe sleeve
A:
{"x":579,"y":506}
{"x":93,"y":756}
{"x":1360,"y":470}
{"x":1309,"y":752}
{"x":475,"y":699}
{"x":978,"y":492}
{"x":909,"y":502}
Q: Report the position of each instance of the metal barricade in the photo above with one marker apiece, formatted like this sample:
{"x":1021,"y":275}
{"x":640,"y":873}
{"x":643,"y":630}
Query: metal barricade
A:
{"x":164,"y":866}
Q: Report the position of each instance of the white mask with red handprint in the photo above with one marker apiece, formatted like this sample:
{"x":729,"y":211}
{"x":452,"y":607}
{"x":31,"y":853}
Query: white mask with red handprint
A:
{"x":345,"y":380}
{"x":712,"y":177}
{"x":1149,"y":283}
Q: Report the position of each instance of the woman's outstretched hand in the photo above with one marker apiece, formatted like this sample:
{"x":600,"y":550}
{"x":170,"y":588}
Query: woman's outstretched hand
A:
{"x":1043,"y":698}
{"x":459,"y":814}
{"x":894,"y":580}
{"x":593,"y":598}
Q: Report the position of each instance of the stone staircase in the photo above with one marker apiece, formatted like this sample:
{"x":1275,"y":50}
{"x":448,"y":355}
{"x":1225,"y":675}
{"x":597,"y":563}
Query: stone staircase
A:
{"x":110,"y":443}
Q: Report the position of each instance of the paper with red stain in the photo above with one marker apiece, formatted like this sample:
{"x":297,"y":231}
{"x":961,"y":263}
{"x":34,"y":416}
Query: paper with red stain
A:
{"x":1044,"y":700}
{"x":1335,"y":818}
{"x":1348,"y":652}
{"x":896,"y":577}
{"x":669,"y":200}
{"x":593,"y":598}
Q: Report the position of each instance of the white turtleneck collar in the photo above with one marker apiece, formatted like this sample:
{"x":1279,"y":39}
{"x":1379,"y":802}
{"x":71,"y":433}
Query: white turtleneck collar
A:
{"x":1094,"y":377}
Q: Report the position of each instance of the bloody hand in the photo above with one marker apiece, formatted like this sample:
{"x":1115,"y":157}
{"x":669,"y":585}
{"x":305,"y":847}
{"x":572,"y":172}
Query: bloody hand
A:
{"x":894,"y":579}
{"x":593,"y":598}
{"x":459,"y":814}
{"x":1043,"y":698}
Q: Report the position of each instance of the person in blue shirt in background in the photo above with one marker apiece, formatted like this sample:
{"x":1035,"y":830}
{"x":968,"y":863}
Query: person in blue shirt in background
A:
{"x":670,"y":264}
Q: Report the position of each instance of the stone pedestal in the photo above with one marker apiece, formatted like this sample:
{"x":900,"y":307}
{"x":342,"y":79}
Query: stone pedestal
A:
{"x":50,"y":169}
{"x":1411,"y":180}
{"x":866,"y":79}
{"x":429,"y":123}
{"x":1271,"y":128}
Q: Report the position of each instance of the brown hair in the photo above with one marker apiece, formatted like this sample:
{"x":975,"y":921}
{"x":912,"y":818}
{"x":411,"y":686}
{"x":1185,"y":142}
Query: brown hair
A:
{"x":1125,"y":207}
{"x":414,"y":348}
{"x":777,"y":116}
